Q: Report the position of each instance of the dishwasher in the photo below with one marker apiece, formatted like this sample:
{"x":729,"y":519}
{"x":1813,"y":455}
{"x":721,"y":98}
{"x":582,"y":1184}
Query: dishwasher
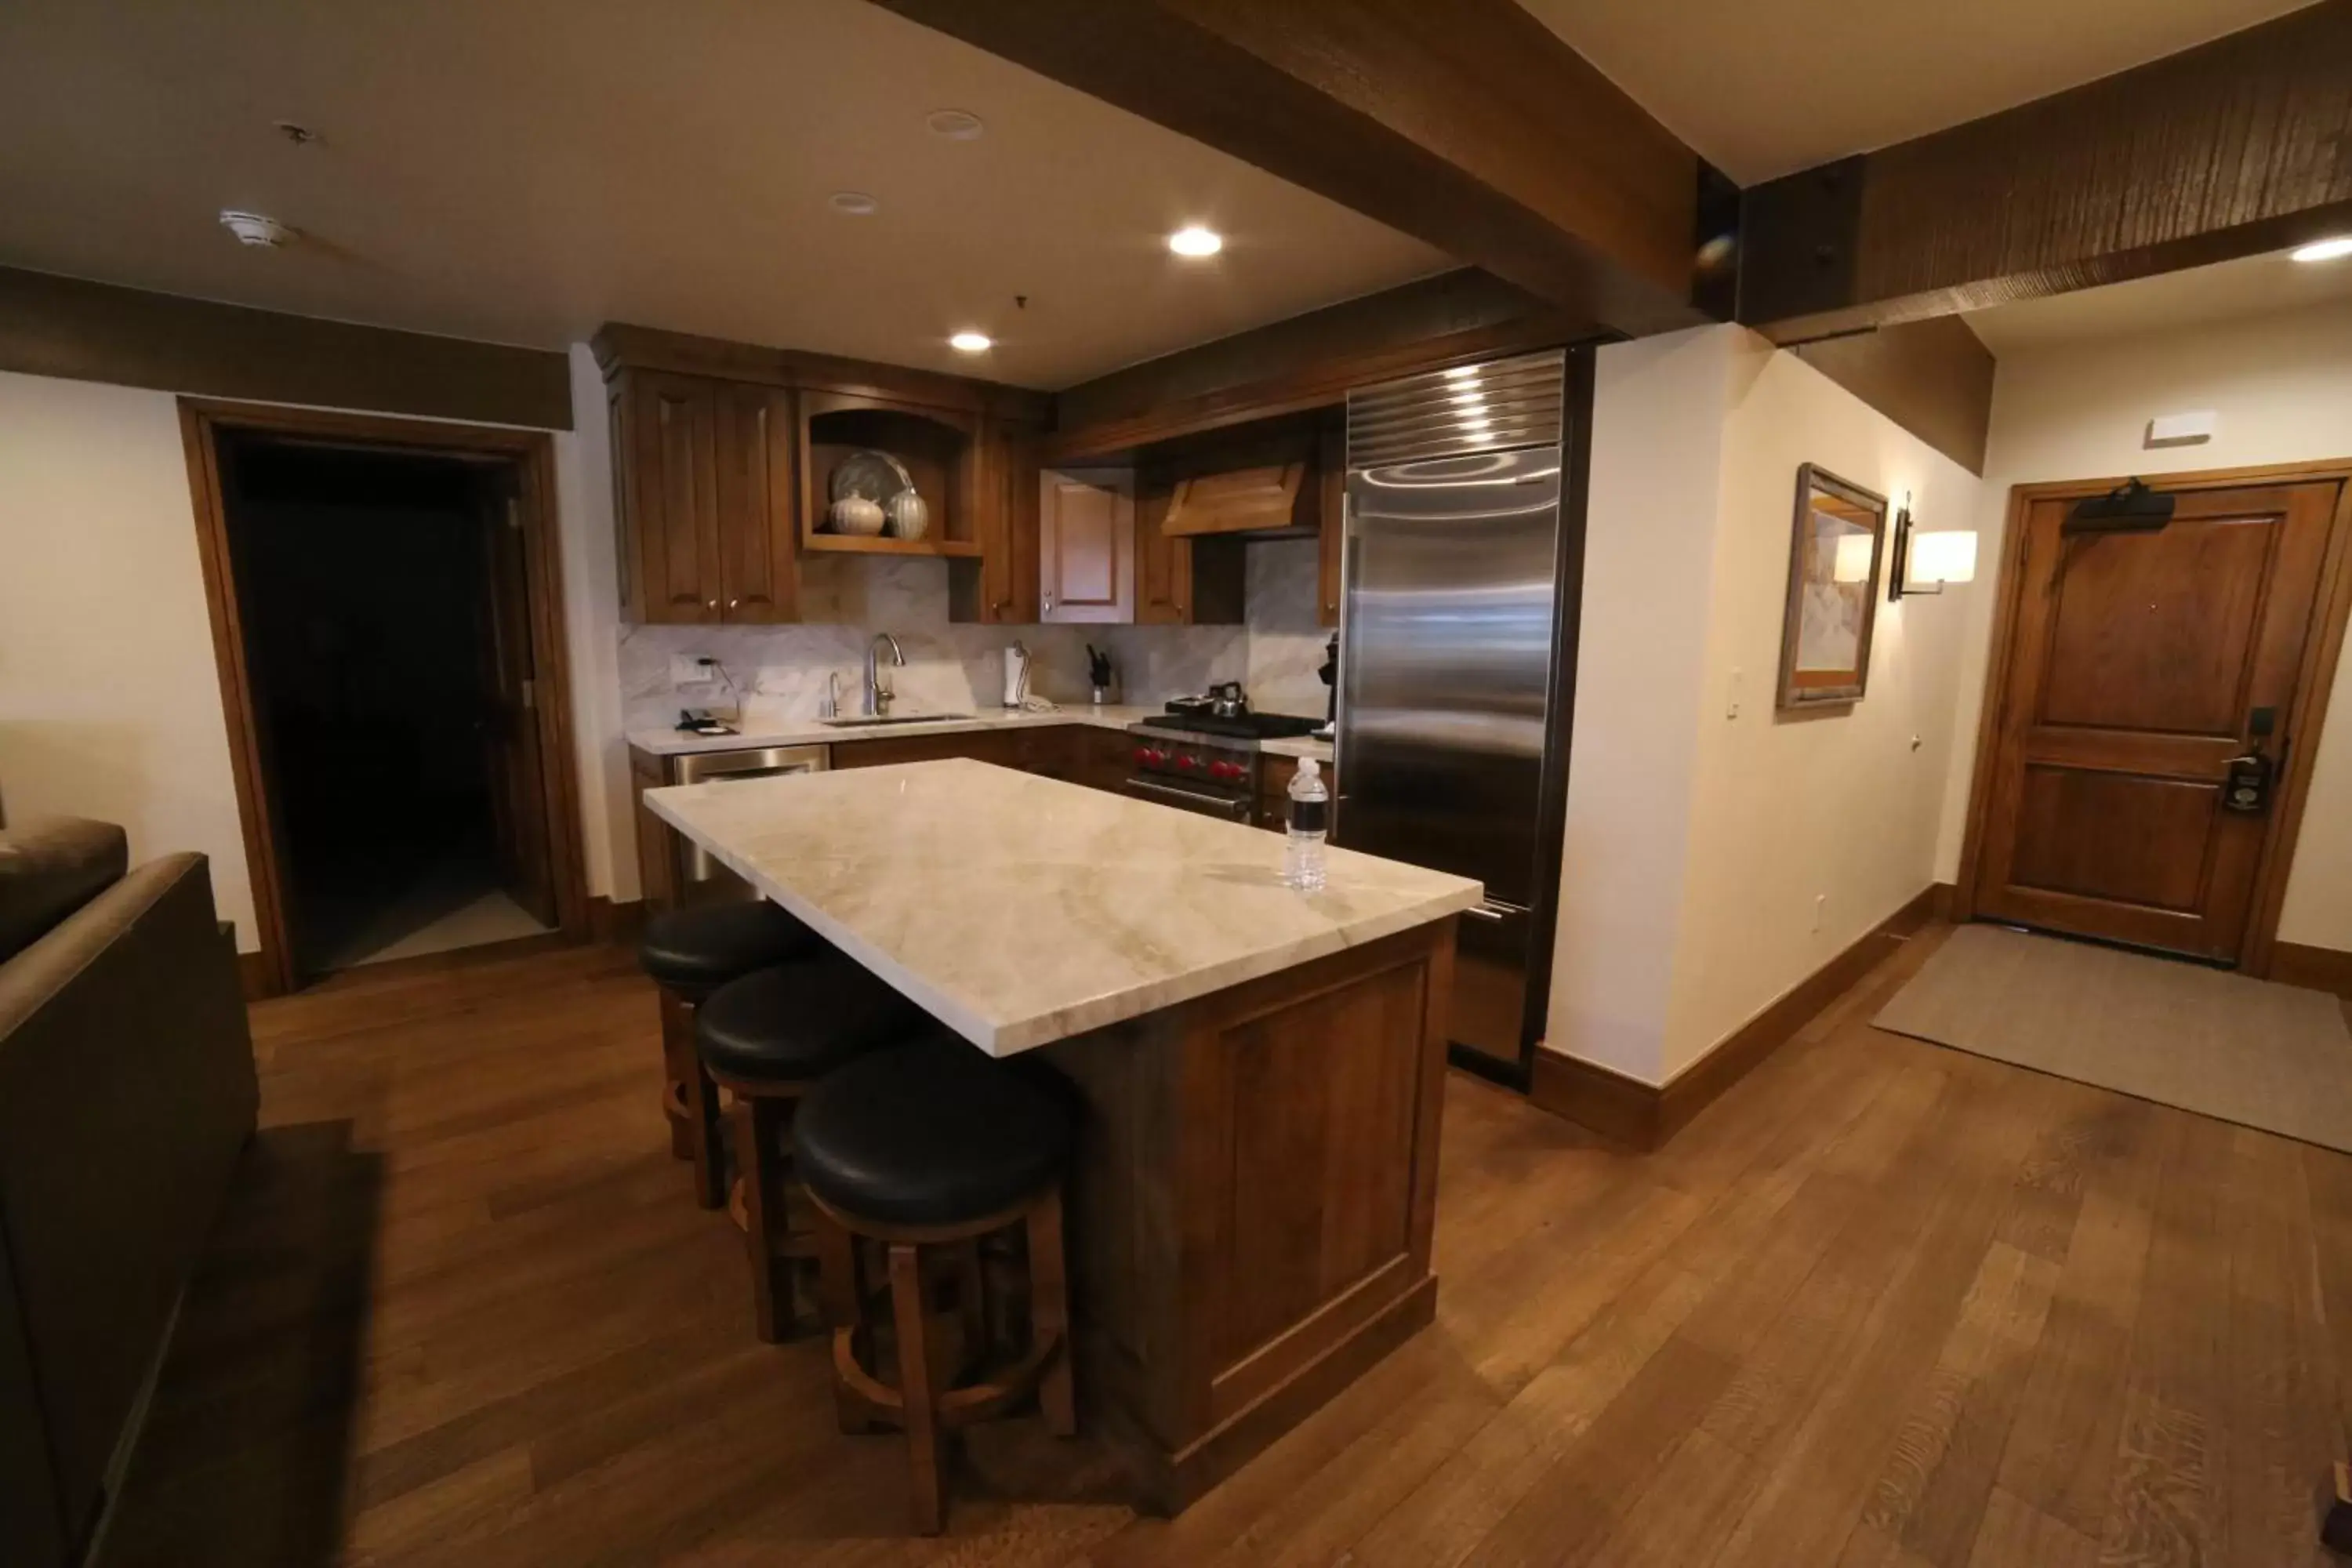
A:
{"x":701,"y":878}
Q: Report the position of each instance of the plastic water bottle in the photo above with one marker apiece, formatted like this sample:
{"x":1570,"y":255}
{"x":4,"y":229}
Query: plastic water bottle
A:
{"x":1310,"y":812}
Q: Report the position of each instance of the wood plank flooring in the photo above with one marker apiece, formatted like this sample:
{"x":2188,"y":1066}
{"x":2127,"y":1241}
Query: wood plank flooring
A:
{"x":1882,"y":1305}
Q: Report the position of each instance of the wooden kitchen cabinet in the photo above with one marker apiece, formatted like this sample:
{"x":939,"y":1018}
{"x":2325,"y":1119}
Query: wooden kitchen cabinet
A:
{"x":702,"y":508}
{"x":665,"y":435}
{"x":759,"y":559}
{"x":1182,"y":581}
{"x":1050,"y":750}
{"x":998,"y":746}
{"x":1001,"y":588}
{"x":1086,"y":535}
{"x":722,"y":453}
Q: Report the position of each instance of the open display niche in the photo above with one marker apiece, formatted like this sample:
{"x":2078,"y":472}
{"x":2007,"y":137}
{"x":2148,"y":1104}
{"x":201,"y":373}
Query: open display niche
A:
{"x":940,"y":448}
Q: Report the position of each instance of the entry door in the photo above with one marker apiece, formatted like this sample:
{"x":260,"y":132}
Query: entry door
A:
{"x":510,"y":715}
{"x":2139,"y":663}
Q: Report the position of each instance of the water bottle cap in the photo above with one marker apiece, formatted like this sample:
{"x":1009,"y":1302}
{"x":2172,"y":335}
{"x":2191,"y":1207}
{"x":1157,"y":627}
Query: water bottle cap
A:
{"x":1308,"y":767}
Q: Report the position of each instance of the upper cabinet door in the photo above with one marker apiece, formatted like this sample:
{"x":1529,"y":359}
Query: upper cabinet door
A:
{"x":1001,"y":586}
{"x":674,"y":450}
{"x":1086,"y":545}
{"x":1163,"y":565}
{"x":759,"y":536}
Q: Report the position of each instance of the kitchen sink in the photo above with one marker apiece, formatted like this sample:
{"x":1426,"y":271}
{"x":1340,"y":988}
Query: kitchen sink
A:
{"x":868,"y":721}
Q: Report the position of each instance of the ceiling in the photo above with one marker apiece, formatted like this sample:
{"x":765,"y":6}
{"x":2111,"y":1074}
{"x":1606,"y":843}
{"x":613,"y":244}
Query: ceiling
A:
{"x":1762,"y":88}
{"x":521,"y":170}
{"x":2203,"y":296}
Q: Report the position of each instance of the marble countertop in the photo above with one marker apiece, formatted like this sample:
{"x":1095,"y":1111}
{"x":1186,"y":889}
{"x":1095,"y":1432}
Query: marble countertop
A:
{"x":1019,"y":910}
{"x":815,"y":733}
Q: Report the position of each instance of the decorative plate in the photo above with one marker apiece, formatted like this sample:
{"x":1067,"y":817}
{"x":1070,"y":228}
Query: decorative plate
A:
{"x":871,"y":476}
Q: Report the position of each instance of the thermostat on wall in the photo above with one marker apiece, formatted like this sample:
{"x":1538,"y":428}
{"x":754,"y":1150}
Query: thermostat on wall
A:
{"x":2183,"y":429}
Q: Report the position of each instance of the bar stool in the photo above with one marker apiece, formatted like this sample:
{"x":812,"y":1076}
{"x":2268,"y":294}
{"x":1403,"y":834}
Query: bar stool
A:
{"x":925,"y":1150}
{"x":690,"y":953}
{"x":767,"y":1037}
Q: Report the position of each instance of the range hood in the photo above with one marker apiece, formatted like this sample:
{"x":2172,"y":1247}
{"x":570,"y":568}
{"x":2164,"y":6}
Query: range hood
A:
{"x":1266,"y":499}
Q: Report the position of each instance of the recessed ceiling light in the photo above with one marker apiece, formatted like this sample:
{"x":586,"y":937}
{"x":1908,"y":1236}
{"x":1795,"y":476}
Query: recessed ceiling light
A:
{"x":857,"y":204}
{"x":1195,"y":240}
{"x":2325,"y":250}
{"x":955,"y":124}
{"x":1470,"y":400}
{"x":1463,"y":373}
{"x":971,"y":343}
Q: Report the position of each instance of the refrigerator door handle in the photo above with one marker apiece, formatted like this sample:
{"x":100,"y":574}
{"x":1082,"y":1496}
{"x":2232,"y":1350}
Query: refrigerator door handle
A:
{"x":1493,"y":910}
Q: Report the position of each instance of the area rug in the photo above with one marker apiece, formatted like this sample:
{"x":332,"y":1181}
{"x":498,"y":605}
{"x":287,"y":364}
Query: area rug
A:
{"x":2249,"y":1051}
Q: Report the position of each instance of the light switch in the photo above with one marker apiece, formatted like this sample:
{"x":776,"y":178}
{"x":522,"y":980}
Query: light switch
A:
{"x":1731,"y":695}
{"x":688,"y":669}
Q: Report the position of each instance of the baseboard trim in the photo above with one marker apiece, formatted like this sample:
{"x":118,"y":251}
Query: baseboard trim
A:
{"x":2318,"y":968}
{"x":612,"y":921}
{"x":1644,"y":1116}
{"x":254,"y":978}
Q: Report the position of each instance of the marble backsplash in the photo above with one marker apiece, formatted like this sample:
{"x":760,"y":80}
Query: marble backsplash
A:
{"x":779,"y":672}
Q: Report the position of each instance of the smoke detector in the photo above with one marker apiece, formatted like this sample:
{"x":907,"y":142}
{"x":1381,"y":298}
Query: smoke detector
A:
{"x":256,"y":228}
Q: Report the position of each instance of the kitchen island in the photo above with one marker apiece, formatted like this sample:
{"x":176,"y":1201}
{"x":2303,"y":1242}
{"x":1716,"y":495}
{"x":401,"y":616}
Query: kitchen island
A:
{"x":1263,"y":1069}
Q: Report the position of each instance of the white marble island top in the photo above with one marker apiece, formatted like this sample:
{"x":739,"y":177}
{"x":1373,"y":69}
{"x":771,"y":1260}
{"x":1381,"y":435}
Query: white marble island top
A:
{"x":1019,"y":910}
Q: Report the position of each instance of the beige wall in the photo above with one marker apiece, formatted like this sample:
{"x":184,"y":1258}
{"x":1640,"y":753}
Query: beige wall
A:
{"x":1698,"y":841}
{"x":2283,"y":387}
{"x":110,"y":705}
{"x":1657,"y":428}
{"x":109,"y":699}
{"x":1806,"y":831}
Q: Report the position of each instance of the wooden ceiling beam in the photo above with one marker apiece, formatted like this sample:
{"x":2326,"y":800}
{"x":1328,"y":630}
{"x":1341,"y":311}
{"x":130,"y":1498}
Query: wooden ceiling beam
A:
{"x":2236,"y":147}
{"x":1469,"y":125}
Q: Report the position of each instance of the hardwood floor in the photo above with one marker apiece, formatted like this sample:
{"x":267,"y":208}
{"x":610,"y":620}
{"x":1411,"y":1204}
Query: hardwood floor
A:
{"x":1883,"y":1304}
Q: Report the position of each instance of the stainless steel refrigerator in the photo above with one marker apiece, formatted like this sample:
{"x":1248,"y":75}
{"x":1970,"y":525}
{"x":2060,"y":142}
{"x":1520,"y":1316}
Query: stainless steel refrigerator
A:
{"x":1463,"y":576}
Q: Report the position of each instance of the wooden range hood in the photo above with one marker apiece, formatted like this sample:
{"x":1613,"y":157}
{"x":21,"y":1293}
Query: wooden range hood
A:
{"x":1267,"y":498}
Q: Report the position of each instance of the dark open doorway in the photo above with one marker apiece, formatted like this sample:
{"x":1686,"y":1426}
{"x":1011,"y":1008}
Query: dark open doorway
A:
{"x":384,"y":606}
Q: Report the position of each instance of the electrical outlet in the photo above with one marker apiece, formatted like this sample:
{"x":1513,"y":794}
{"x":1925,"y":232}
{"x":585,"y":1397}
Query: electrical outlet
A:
{"x":688,"y":669}
{"x":1821,"y":906}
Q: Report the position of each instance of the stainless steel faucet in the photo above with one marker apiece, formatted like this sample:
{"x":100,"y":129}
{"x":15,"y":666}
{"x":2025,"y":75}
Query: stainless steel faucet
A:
{"x":877,"y":696}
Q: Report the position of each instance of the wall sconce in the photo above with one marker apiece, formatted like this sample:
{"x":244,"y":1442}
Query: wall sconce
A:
{"x":1925,"y":562}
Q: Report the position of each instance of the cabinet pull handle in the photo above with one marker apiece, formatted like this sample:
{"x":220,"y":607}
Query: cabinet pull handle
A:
{"x":732,"y":603}
{"x":714,"y":603}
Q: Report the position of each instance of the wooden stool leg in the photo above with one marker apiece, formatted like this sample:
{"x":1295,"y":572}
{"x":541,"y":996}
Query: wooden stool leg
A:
{"x":842,"y":1282}
{"x":678,"y":1056}
{"x":705,"y":1146}
{"x":922,"y":1410}
{"x":763,"y":1211}
{"x":1049,"y":1314}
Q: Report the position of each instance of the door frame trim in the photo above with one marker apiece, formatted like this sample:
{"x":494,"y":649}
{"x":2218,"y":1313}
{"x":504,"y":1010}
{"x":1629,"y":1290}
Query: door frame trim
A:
{"x":203,"y":421}
{"x":2321,"y":654}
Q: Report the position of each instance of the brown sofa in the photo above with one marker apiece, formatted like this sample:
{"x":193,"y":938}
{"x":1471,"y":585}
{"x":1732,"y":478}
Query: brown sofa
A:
{"x":127,"y":1092}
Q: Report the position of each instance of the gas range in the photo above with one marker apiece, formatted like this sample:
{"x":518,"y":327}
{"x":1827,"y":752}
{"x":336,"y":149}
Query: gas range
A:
{"x":1197,"y":762}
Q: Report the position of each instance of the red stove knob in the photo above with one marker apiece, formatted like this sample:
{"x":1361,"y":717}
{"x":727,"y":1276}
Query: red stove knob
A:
{"x":1145,"y":756}
{"x":1183,"y":764}
{"x":1224,"y":769}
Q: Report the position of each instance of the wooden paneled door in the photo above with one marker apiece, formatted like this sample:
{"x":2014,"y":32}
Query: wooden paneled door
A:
{"x":2138,"y":664}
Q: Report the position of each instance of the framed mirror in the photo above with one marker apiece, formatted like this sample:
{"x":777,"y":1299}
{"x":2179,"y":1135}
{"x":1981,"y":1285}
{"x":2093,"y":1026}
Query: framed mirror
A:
{"x":1839,"y":535}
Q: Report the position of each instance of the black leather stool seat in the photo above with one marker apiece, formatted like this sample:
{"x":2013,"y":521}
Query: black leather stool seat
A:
{"x":694,"y":949}
{"x":801,"y":1020}
{"x":934,"y":1132}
